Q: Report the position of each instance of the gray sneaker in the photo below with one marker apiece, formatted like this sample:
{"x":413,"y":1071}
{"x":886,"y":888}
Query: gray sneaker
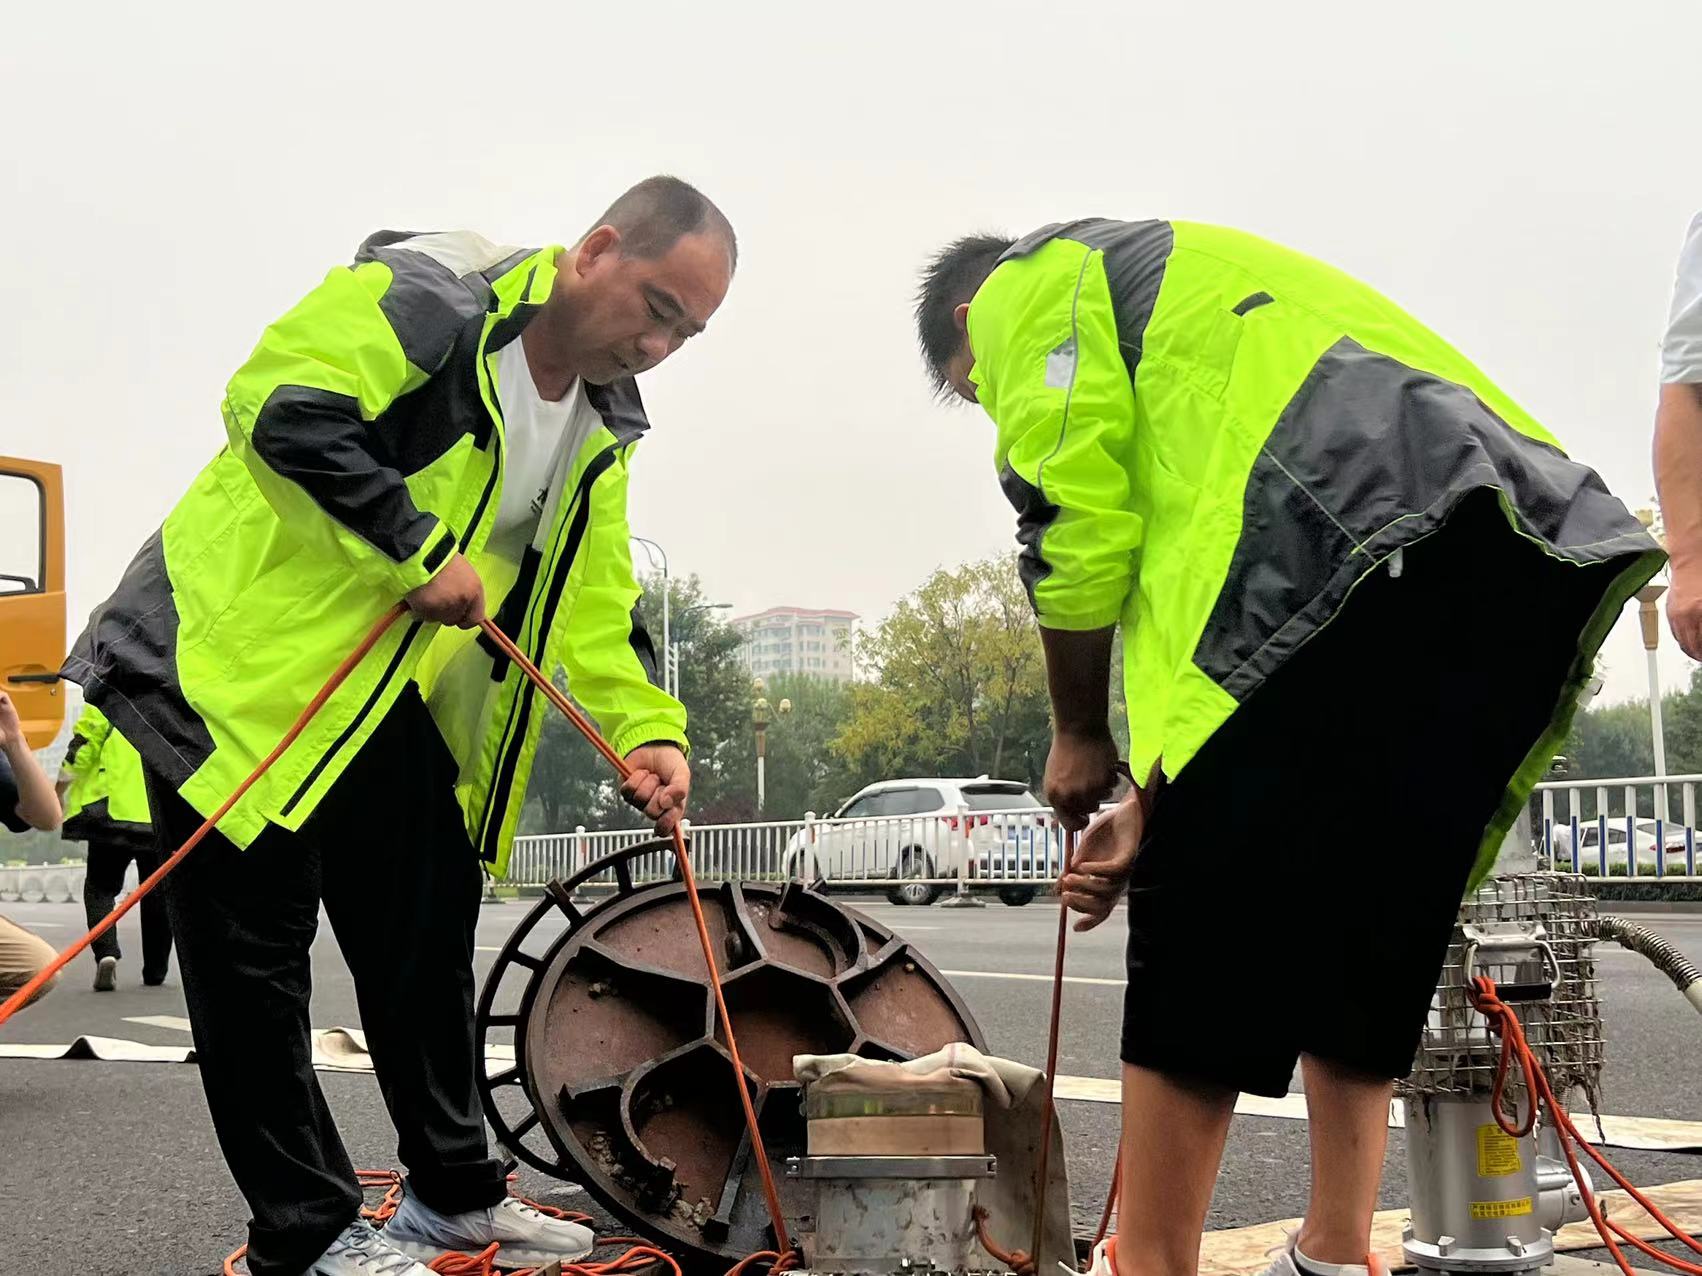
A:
{"x":360,"y":1251}
{"x":106,"y":974}
{"x":1283,"y":1264}
{"x":527,"y":1237}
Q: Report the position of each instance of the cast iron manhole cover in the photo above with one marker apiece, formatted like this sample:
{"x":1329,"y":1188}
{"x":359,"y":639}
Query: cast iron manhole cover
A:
{"x":620,"y":1078}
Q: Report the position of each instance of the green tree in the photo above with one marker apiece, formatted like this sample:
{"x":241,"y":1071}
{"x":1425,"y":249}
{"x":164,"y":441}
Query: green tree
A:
{"x":803,"y":772}
{"x":1681,"y":712}
{"x":1613,"y":740}
{"x":716,"y":690}
{"x":34,"y":846}
{"x":1617,"y":740}
{"x":959,"y":683}
{"x":572,"y":785}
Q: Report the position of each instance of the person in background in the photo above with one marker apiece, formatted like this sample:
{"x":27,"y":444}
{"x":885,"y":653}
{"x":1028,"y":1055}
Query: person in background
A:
{"x":1678,"y":445}
{"x":106,"y":807}
{"x":27,"y":801}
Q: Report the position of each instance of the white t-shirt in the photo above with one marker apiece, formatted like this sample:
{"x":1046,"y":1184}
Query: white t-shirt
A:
{"x":534,"y":432}
{"x":1681,"y":351}
{"x":541,"y":438}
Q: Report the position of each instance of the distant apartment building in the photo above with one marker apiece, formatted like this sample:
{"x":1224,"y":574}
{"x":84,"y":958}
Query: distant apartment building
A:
{"x":796,"y":640}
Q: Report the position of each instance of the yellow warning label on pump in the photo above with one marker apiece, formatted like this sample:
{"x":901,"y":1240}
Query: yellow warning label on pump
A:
{"x":1497,"y":1155}
{"x":1501,"y":1209}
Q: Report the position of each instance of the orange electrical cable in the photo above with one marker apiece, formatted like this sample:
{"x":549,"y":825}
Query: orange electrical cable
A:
{"x":1110,"y":1198}
{"x":482,"y":1263}
{"x":1504,"y":1023}
{"x":583,"y":725}
{"x":16,"y":1001}
{"x":1017,"y":1261}
{"x":1049,"y":1080}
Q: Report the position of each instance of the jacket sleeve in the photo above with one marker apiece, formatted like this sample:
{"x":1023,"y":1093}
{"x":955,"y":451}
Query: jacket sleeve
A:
{"x":606,"y":648}
{"x":1050,"y":372}
{"x":300,"y":412}
{"x":88,"y":739}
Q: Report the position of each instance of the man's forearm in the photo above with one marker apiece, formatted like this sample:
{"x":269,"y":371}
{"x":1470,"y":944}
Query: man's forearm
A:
{"x":1678,"y":472}
{"x":37,"y":802}
{"x":1078,"y":675}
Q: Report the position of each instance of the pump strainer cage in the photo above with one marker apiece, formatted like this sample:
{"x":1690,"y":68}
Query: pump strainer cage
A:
{"x":1533,"y":933}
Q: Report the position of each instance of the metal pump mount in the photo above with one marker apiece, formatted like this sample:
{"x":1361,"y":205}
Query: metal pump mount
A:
{"x":1483,"y":1201}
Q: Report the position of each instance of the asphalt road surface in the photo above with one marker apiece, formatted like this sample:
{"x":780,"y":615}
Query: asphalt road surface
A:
{"x":113,"y":1167}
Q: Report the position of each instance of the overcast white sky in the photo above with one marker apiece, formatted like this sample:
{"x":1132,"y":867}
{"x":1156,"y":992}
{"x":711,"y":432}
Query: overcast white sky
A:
{"x":1518,"y":175}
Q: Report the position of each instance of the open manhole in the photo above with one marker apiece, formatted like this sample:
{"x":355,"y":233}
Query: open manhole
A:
{"x":606,"y":1065}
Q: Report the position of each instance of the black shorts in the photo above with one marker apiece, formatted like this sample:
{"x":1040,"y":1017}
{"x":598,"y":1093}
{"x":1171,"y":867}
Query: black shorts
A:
{"x":1301,"y":877}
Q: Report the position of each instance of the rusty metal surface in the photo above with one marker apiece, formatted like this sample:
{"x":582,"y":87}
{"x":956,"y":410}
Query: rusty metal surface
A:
{"x":621,"y":1079}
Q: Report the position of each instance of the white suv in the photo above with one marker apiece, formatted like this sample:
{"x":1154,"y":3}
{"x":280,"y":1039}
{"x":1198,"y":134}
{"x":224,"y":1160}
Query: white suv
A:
{"x":922,"y":828}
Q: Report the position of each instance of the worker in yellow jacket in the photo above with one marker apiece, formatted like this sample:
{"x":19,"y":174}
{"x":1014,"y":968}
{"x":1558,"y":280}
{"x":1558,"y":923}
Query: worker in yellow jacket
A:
{"x":447,"y":422}
{"x":106,"y":808}
{"x":1339,"y":556}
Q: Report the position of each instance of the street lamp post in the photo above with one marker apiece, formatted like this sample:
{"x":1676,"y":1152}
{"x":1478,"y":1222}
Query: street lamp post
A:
{"x":759,"y":720}
{"x":1650,"y":615}
{"x":668,"y":684}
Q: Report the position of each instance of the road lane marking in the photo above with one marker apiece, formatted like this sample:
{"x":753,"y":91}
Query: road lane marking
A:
{"x":344,"y":1050}
{"x":1110,"y":1090}
{"x":1654,"y":1134}
{"x":175,"y":1022}
{"x":1042,"y":979}
{"x":1243,"y":1249}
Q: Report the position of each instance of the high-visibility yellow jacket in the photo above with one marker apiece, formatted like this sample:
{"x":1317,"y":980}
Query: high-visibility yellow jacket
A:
{"x":365,"y":448}
{"x":107,"y":799}
{"x":1209,"y":439}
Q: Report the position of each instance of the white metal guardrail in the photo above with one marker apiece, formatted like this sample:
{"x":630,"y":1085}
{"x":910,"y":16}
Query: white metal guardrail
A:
{"x":1637,"y":827}
{"x":1641,"y":827}
{"x":980,"y":849}
{"x":34,"y":883}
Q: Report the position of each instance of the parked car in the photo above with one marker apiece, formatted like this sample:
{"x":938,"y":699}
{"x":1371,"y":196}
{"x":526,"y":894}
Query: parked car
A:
{"x":1589,"y":843}
{"x":922,"y":829}
{"x":1031,"y":850}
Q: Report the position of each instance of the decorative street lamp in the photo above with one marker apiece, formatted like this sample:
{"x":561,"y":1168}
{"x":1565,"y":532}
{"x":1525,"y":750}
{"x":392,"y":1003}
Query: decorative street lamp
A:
{"x":1650,"y":616}
{"x":760,"y":711}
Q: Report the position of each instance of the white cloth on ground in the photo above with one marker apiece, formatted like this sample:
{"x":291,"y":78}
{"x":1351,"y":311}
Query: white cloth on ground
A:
{"x":1005,"y":1082}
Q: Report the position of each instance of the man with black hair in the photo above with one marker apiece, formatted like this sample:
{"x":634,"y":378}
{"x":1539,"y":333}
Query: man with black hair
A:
{"x":449,"y":423}
{"x":1339,"y":555}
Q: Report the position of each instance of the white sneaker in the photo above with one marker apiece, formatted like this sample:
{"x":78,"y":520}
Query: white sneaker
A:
{"x":1283,"y":1264}
{"x":106,"y":974}
{"x":527,"y":1237}
{"x":1104,"y":1258}
{"x":360,"y":1251}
